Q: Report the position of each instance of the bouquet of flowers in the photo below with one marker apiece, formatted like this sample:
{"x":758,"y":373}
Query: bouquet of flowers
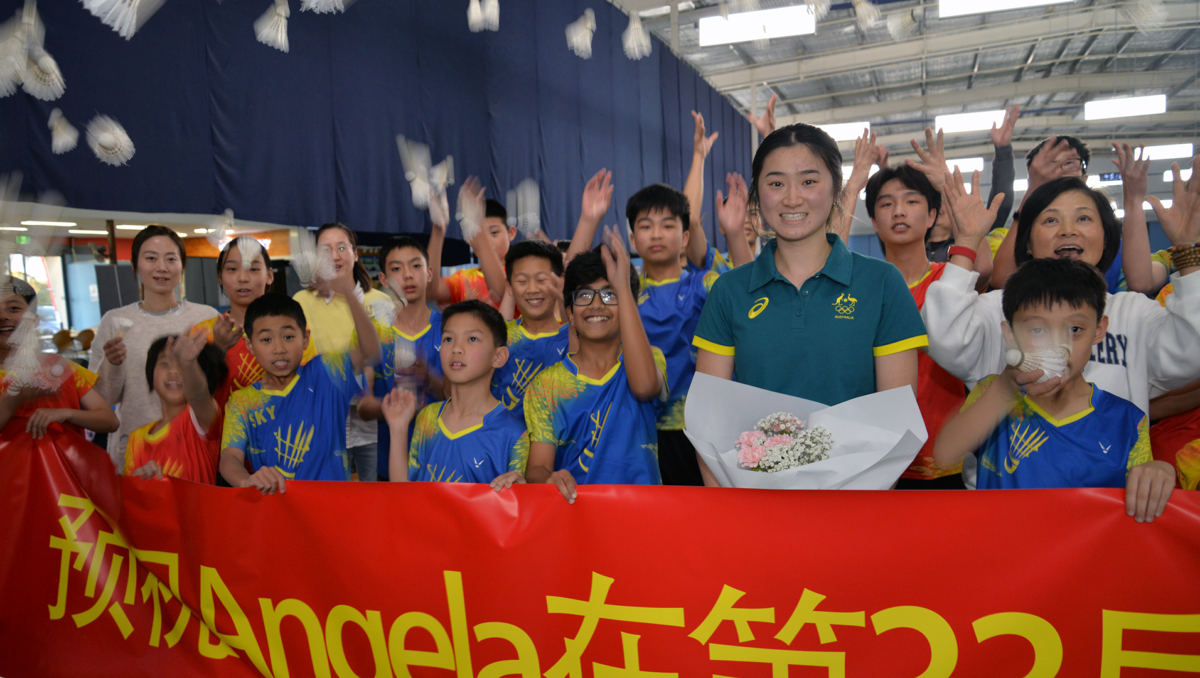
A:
{"x":780,"y":442}
{"x":861,"y":444}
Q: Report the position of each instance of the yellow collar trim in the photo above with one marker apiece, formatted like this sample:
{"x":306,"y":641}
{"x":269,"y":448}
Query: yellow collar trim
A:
{"x":470,"y":429}
{"x":922,"y":278}
{"x":529,"y":335}
{"x":153,"y":436}
{"x":594,"y":382}
{"x":286,"y":390}
{"x":413,"y":337}
{"x":655,"y":283}
{"x":1059,"y":423}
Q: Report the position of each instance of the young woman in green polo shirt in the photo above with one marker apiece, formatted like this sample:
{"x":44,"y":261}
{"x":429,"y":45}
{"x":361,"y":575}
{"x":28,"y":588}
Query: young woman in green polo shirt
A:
{"x":808,"y":317}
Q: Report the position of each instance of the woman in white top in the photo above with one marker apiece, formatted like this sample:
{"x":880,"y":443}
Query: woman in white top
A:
{"x":1148,"y":351}
{"x":119,"y":350}
{"x":332,"y":327}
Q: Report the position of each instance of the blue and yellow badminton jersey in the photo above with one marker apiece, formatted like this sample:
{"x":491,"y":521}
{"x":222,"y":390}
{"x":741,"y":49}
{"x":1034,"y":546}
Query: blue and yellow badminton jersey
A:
{"x":475,"y":455}
{"x":427,"y":345}
{"x":670,"y":310}
{"x":603,"y":434}
{"x":1094,"y":448}
{"x":528,"y":355}
{"x":300,"y":430}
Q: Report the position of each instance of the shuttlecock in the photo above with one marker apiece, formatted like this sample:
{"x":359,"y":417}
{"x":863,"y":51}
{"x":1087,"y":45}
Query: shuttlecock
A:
{"x":475,"y":17}
{"x":63,"y":135}
{"x":220,"y":230}
{"x":121,"y":326}
{"x":123,"y":16}
{"x":22,"y":362}
{"x":12,"y":54}
{"x":249,"y":248}
{"x":109,"y":141}
{"x":580,"y":32}
{"x":416,"y":159}
{"x":42,"y":79}
{"x":310,"y":263}
{"x":405,"y":356}
{"x":1052,"y":361}
{"x":396,"y":292}
{"x":819,"y":8}
{"x":271,"y":27}
{"x":1145,"y":14}
{"x":325,"y":6}
{"x":491,"y":15}
{"x":529,"y":207}
{"x":866,"y":13}
{"x":382,"y":311}
{"x":901,"y":25}
{"x":470,"y":217}
{"x":635,"y":38}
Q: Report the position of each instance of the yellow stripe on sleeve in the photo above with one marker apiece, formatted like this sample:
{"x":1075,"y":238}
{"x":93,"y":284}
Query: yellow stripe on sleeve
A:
{"x":889,"y":349}
{"x":707,"y":345}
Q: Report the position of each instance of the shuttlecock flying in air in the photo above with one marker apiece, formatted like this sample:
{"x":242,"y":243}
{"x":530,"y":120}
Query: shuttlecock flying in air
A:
{"x":310,"y":263}
{"x":123,"y":16}
{"x":866,"y":13}
{"x":63,"y":135}
{"x":635,"y":38}
{"x":491,"y":14}
{"x":580,"y":32}
{"x":819,"y":7}
{"x":528,"y":208}
{"x":109,"y":141}
{"x":12,"y":54}
{"x":271,"y":27}
{"x":901,"y":25}
{"x":325,"y":6}
{"x":427,"y":181}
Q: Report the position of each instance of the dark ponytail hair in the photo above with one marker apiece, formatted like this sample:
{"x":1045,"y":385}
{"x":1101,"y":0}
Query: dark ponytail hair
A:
{"x":360,"y":272}
{"x":818,"y":141}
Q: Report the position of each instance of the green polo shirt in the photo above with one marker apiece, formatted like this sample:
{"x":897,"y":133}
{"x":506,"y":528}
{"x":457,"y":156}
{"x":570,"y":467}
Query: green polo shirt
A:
{"x":818,"y":342}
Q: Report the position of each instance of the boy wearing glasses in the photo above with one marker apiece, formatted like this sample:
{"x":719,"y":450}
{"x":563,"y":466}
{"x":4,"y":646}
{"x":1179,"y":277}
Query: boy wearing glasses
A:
{"x":592,"y":417}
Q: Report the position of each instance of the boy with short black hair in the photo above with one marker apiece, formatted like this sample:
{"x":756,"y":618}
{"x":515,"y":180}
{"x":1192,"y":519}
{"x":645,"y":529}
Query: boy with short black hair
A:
{"x":1065,"y":432}
{"x":185,"y":372}
{"x":592,"y":417}
{"x":415,"y":334}
{"x":470,"y":437}
{"x":538,"y":339}
{"x":291,"y":424}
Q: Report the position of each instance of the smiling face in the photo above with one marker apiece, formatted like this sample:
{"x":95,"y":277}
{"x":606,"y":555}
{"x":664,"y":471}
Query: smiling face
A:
{"x":1070,"y":228}
{"x":659,"y":236}
{"x":168,"y":380}
{"x":278,"y":344}
{"x":243,"y":286}
{"x":1048,"y":326}
{"x":469,"y":352}
{"x":341,"y":251}
{"x":159,"y":266}
{"x":406,"y":270}
{"x":532,"y":283}
{"x":12,"y":309}
{"x":500,"y":234}
{"x":902,"y":215}
{"x":796,"y":193}
{"x":596,"y":321}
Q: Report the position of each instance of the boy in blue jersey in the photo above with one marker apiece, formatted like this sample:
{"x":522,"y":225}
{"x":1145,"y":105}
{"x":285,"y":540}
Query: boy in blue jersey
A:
{"x":291,"y":424}
{"x":1065,"y":432}
{"x":471,"y":437}
{"x":592,"y":417}
{"x":414,"y":335}
{"x":537,"y":339}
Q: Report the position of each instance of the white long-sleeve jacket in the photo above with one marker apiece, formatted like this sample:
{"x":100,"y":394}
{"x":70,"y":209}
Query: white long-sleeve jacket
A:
{"x":1148,"y":351}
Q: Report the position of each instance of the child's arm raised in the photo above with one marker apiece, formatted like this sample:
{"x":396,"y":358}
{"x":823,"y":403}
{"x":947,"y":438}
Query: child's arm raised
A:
{"x":439,"y":289}
{"x":369,"y":350}
{"x":186,"y":349}
{"x":597,"y":196}
{"x":470,"y":200}
{"x":693,"y":189}
{"x":645,"y":379}
{"x":398,"y":408}
{"x":731,"y":215}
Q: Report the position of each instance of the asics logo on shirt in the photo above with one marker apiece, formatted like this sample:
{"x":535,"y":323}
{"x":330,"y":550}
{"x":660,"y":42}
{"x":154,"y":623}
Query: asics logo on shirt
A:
{"x":759,"y":306}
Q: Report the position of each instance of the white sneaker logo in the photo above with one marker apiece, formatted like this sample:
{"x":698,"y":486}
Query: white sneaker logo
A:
{"x":1105,"y":448}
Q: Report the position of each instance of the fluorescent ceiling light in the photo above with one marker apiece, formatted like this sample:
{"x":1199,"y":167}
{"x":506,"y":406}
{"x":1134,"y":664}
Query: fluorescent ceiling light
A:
{"x":949,"y":8}
{"x":129,"y":227}
{"x":1167,"y":152}
{"x":1020,"y":185}
{"x":202,"y":231}
{"x":846,"y":131}
{"x":12,"y":228}
{"x":966,"y":165}
{"x":768,"y":23}
{"x":665,"y":10}
{"x":1124,"y":108}
{"x":1169,"y":176}
{"x":969,"y":122}
{"x":48,"y":223}
{"x":83,"y":232}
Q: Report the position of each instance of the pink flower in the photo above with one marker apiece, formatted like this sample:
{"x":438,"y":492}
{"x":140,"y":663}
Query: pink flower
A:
{"x":749,"y":439}
{"x":749,"y":456}
{"x":774,"y":441}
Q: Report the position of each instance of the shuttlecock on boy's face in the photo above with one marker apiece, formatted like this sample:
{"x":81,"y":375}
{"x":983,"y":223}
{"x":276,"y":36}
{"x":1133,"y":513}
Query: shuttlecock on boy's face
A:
{"x":123,"y":16}
{"x":63,"y":135}
{"x":109,"y":141}
{"x":41,"y":78}
{"x":311,"y":263}
{"x":580,"y":32}
{"x":529,"y":207}
{"x":901,"y":25}
{"x":635,"y":38}
{"x":271,"y":27}
{"x":866,"y":13}
{"x":396,"y":292}
{"x":325,"y":6}
{"x":1052,"y":361}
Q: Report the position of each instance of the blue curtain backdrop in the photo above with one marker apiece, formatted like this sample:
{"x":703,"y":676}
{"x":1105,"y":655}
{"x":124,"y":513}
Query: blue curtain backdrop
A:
{"x":220,"y":120}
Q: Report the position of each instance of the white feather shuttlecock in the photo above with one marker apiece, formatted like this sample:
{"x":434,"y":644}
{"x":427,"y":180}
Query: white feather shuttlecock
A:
{"x":819,"y":7}
{"x":12,"y":54}
{"x":529,"y":208}
{"x":406,"y":355}
{"x":220,"y":229}
{"x":249,"y":248}
{"x":42,"y":78}
{"x":383,"y":312}
{"x":271,"y":27}
{"x":123,"y":16}
{"x":441,"y":176}
{"x":475,"y":16}
{"x":580,"y":32}
{"x":325,"y":6}
{"x":121,"y":326}
{"x":470,"y":217}
{"x":417,"y":164}
{"x":109,"y":141}
{"x":22,"y":363}
{"x":63,"y":135}
{"x":396,"y":292}
{"x":635,"y":39}
{"x":311,"y":263}
{"x":903,"y":25}
{"x":866,"y":13}
{"x":1052,"y":361}
{"x":1145,"y":14}
{"x":491,"y":14}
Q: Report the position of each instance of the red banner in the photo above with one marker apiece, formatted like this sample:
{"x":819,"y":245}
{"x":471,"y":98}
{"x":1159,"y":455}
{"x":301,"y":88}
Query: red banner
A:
{"x":108,"y":576}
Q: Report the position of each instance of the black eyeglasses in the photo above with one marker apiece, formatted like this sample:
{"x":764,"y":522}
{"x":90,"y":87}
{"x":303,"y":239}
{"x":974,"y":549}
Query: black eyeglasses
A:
{"x":584,"y":297}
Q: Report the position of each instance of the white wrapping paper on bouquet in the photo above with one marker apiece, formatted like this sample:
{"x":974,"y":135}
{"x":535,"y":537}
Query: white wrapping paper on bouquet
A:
{"x":875,"y":437}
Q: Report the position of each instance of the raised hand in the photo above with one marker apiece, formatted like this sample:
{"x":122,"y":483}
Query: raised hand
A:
{"x":1135,"y":174}
{"x":616,"y":259}
{"x":731,"y":212}
{"x":881,"y":157}
{"x":701,"y":144}
{"x":226,"y":332}
{"x":471,"y":207}
{"x":399,"y":406}
{"x":1002,"y":135}
{"x":765,"y":124}
{"x":187,"y":346}
{"x":933,"y":158}
{"x":1047,"y":164}
{"x":1181,"y":222}
{"x":597,"y":196}
{"x":972,"y":220}
{"x":865,"y":155}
